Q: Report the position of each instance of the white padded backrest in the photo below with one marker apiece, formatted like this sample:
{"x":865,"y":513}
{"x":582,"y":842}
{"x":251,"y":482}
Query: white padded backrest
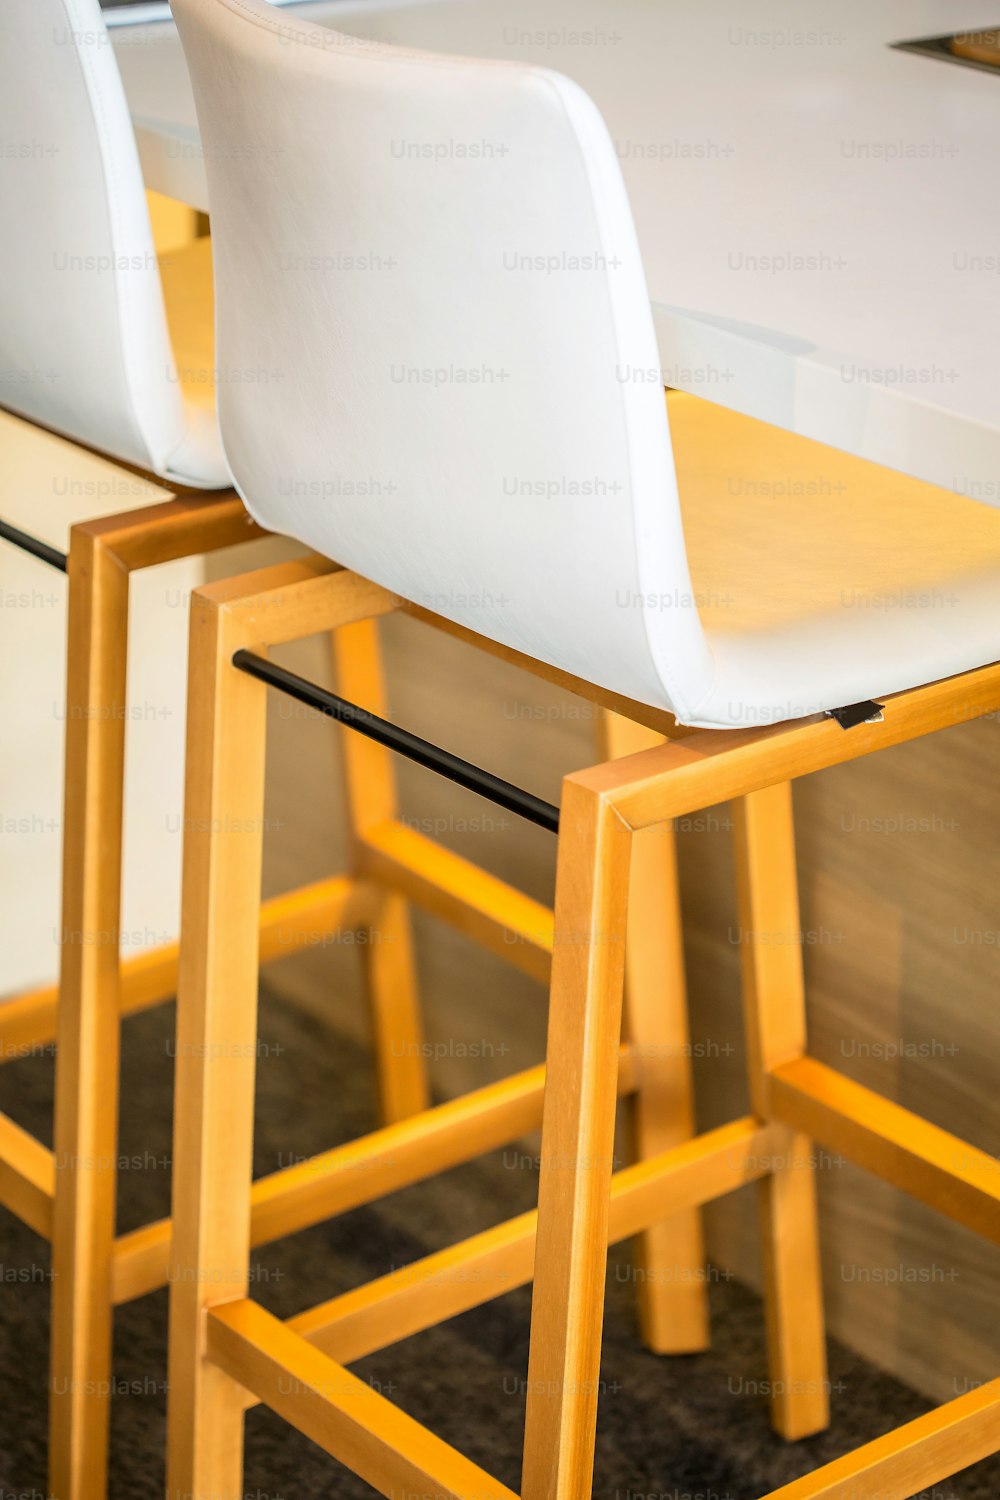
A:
{"x":84,"y":347}
{"x":427,"y":274}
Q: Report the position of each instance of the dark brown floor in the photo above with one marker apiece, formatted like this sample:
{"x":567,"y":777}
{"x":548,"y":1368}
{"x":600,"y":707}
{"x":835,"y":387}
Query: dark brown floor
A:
{"x":670,"y":1429}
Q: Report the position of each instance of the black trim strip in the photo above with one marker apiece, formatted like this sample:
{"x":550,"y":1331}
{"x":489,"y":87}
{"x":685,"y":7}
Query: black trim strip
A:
{"x":474,"y":778}
{"x":41,"y":550}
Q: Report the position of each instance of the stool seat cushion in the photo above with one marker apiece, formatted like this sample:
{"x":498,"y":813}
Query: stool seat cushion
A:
{"x":822,"y":579}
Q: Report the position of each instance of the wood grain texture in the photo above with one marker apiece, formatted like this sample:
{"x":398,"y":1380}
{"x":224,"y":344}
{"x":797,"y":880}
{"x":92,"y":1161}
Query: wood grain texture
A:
{"x":335,"y":1181}
{"x":578,"y":1130}
{"x":899,"y":861}
{"x":27,"y":1177}
{"x":670,"y":1256}
{"x":483,"y":908}
{"x":86,"y":1103}
{"x":216,"y":1049}
{"x":85,"y":1023}
{"x":775,"y":1022}
{"x":388,"y":960}
{"x":910,"y":1153}
{"x":717,"y":764}
{"x":911,"y":1458}
{"x":497,"y":1260}
{"x":343,"y":1414}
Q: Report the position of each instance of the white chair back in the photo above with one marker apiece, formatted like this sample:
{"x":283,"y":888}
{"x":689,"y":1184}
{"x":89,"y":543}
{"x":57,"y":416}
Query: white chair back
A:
{"x":434,"y":258}
{"x":84,"y":346}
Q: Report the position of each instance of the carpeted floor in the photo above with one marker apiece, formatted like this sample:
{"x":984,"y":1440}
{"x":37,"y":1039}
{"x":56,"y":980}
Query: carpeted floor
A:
{"x":669,"y":1429}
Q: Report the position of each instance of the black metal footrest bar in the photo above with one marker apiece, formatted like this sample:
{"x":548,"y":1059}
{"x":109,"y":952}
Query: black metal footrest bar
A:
{"x":41,"y":550}
{"x":463,"y":772}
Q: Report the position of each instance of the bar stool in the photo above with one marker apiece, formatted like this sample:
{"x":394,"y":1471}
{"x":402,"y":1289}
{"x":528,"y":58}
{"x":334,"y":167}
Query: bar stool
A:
{"x":104,"y":344}
{"x":529,"y":505}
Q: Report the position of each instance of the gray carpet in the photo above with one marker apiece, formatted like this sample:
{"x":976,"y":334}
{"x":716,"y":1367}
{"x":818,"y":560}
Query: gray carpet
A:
{"x":670,"y":1429}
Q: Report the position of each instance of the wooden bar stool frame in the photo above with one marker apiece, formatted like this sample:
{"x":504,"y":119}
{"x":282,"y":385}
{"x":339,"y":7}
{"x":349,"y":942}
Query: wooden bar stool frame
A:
{"x":95,"y":1270}
{"x":228,"y":1353}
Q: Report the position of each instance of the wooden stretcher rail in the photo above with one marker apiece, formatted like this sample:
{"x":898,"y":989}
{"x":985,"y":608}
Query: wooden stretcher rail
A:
{"x":911,"y":1458}
{"x":27,"y":1177}
{"x":496,"y":1261}
{"x":346,"y":1177}
{"x":940,"y":1169}
{"x":347,"y":1418}
{"x":487,"y":910}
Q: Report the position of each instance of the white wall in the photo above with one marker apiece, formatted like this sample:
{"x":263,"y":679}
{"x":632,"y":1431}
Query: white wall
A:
{"x":45,"y":486}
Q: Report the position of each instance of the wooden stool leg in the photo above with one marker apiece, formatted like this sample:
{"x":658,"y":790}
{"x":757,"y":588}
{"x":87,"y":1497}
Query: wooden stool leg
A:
{"x":87,"y":1024}
{"x":774,"y":1001}
{"x":216,"y":1052}
{"x":390,"y":965}
{"x":567,"y":1308}
{"x":670,"y":1260}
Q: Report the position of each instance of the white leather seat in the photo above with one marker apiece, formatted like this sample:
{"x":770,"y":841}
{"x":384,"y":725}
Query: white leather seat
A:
{"x":822,"y":579}
{"x":85,"y":347}
{"x":437,"y":254}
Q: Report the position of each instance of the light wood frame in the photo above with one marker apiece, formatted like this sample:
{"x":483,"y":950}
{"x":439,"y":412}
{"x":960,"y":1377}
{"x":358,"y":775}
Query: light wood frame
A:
{"x":95,"y":1270}
{"x":74,"y":1205}
{"x":226,"y":1352}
